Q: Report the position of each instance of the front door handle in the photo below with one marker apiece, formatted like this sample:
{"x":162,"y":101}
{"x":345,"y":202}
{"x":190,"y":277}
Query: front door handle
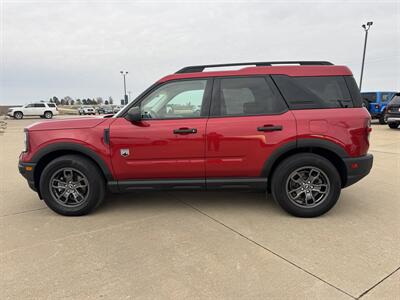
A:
{"x":185,"y":131}
{"x":270,"y":127}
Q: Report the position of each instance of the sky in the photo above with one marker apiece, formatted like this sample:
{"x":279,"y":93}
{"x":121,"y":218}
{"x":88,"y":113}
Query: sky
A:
{"x":78,"y":48}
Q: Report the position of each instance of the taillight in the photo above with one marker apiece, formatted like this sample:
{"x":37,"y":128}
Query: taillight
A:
{"x":26,"y":140}
{"x":368,"y":127}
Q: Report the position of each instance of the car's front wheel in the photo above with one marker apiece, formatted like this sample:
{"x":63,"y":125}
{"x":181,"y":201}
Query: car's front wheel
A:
{"x":394,"y":125}
{"x":306,"y":185}
{"x":72,"y":185}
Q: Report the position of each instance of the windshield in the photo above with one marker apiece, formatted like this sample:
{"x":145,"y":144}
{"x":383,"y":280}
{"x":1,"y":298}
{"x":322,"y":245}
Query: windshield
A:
{"x":395,"y":99}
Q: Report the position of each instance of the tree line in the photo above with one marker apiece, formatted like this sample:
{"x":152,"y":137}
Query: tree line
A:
{"x":69,"y":101}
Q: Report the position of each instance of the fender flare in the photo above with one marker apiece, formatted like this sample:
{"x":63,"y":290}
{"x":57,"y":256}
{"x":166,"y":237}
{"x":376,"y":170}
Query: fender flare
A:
{"x":65,"y":146}
{"x":298,"y":144}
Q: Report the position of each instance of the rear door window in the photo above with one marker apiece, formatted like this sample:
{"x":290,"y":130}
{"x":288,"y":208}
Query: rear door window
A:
{"x":246,"y":96}
{"x":385,"y":97}
{"x":314,"y":92}
{"x":370,"y":97}
{"x":51,"y":105}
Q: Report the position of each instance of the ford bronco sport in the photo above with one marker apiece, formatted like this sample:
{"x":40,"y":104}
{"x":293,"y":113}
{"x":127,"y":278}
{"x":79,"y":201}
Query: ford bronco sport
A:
{"x":295,"y":129}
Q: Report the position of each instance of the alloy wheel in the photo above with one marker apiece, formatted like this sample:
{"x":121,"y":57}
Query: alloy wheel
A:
{"x":69,"y":187}
{"x":307,"y":187}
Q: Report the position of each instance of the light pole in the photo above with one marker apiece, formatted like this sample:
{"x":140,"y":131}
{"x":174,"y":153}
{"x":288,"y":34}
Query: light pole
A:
{"x":129,"y":98}
{"x":366,"y":28}
{"x":124,"y":73}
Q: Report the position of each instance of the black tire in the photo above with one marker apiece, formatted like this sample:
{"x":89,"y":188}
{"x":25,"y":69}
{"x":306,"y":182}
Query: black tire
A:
{"x":47,"y":115}
{"x":382,"y":120}
{"x":95,"y":185}
{"x":393,"y":125}
{"x":18,"y":115}
{"x":281,"y":179}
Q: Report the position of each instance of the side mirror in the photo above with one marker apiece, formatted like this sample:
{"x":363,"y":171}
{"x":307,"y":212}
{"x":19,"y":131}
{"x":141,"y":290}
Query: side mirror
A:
{"x":134,"y":114}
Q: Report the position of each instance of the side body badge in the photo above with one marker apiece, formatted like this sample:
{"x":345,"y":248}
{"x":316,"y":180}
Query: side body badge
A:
{"x":124,"y":152}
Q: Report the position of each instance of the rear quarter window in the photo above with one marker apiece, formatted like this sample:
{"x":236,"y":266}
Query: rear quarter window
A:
{"x":51,"y":105}
{"x":314,"y":92}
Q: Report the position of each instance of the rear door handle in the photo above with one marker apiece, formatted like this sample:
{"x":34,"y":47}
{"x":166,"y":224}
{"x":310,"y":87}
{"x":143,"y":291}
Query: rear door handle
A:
{"x":270,"y":128}
{"x":185,"y":131}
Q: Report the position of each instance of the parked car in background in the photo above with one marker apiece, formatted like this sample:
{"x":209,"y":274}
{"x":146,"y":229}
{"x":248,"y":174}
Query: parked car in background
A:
{"x":298,"y":131}
{"x":41,"y":109}
{"x":86,"y":110}
{"x":117,"y":108}
{"x":105,"y":109}
{"x":376,"y":103}
{"x":393,"y":112}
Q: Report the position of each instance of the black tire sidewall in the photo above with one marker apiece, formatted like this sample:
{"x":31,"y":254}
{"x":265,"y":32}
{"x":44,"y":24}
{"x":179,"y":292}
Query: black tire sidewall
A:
{"x":93,"y":175}
{"x":48,"y":112}
{"x":393,"y":125}
{"x":301,"y":160}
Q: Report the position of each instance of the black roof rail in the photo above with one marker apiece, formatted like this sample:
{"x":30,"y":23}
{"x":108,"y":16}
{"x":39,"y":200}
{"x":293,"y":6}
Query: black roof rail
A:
{"x":200,"y":68}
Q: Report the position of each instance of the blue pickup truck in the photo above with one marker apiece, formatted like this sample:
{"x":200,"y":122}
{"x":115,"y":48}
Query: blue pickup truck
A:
{"x":376,"y":103}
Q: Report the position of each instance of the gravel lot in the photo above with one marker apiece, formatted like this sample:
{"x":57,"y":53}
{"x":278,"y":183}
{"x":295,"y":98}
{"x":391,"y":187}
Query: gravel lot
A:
{"x":202,"y":245}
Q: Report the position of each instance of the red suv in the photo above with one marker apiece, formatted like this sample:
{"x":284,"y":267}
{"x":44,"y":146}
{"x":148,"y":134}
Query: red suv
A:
{"x":296,"y":129}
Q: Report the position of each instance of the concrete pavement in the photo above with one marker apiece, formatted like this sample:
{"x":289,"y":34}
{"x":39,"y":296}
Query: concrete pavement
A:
{"x":202,"y":245}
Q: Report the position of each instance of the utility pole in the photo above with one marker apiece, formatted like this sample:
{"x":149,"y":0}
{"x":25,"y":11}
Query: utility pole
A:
{"x":366,"y":28}
{"x":124,"y":73}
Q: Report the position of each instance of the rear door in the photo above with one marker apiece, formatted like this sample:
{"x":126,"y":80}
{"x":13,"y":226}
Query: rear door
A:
{"x":249,"y":120}
{"x":39,"y":109}
{"x":169,"y":143}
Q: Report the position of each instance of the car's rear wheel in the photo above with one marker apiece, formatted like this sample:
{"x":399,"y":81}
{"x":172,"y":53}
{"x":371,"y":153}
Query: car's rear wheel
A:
{"x":306,"y":185}
{"x":72,"y":185}
{"x":18,"y":115}
{"x":48,"y":115}
{"x":394,"y":125}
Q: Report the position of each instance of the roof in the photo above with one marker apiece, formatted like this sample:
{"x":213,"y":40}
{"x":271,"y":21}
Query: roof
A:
{"x":307,"y":70}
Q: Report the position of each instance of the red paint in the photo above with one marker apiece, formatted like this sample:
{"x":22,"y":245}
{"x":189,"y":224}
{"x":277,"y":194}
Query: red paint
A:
{"x":155,"y":151}
{"x":236,"y":149}
{"x":345,"y":127}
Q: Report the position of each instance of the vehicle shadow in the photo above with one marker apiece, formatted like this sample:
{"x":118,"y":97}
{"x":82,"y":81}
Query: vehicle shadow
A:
{"x":175,"y":200}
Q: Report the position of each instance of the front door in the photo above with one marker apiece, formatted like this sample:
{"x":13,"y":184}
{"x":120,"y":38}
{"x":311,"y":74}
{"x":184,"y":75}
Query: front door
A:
{"x":169,"y":143}
{"x":29,"y":110}
{"x":249,"y":120}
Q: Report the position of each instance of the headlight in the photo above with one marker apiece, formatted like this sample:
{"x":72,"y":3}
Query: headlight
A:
{"x":26,"y":140}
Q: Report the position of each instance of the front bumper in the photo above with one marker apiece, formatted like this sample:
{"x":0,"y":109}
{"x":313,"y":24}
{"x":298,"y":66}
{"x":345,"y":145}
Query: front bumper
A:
{"x":357,"y":168}
{"x":393,"y":119}
{"x":27,"y":170}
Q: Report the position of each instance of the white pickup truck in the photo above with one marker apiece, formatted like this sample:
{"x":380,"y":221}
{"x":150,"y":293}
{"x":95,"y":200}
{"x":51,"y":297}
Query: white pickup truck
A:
{"x":44,"y":110}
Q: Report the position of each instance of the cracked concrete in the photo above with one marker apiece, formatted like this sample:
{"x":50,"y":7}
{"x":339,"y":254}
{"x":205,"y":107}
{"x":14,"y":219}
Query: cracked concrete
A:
{"x":202,"y":245}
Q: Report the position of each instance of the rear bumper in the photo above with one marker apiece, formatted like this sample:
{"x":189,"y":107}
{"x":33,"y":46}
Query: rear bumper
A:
{"x":357,"y":168}
{"x":27,"y":170}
